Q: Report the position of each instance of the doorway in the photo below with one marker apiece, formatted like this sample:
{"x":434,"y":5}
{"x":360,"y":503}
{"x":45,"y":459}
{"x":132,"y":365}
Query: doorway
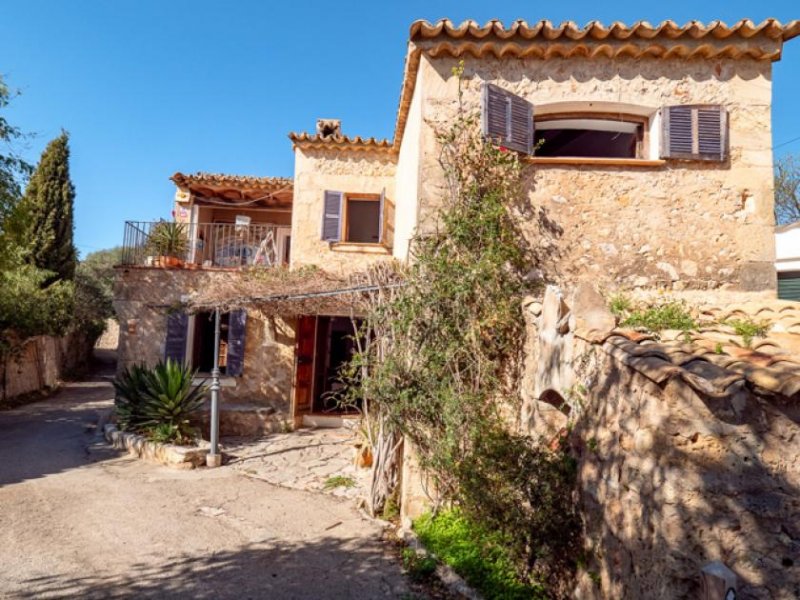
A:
{"x":325,"y":346}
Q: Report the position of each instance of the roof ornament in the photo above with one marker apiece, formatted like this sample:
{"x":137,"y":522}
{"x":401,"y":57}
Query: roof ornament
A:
{"x":329,"y":128}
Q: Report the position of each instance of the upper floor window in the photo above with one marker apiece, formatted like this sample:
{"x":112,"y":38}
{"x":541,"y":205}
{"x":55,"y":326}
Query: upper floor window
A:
{"x":688,"y":132}
{"x":353,"y":218}
{"x":591,"y":136}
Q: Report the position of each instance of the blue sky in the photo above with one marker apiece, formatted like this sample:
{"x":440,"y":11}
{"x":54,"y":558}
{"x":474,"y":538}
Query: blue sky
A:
{"x":150,"y":87}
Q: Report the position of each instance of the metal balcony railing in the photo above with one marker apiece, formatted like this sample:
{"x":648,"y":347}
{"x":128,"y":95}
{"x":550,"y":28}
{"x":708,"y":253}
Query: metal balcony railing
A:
{"x":197,"y":245}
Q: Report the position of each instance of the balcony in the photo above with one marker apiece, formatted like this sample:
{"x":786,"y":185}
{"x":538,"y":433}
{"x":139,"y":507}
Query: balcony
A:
{"x":169,"y":244}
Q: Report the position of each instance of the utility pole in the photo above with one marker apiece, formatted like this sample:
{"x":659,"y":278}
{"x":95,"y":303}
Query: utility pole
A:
{"x":214,"y":458}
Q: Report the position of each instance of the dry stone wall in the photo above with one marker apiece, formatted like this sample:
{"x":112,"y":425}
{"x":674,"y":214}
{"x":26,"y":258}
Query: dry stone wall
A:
{"x":42,"y":362}
{"x":669,"y":480}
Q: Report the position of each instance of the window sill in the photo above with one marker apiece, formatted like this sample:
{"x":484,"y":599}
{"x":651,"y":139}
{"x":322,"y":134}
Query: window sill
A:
{"x":360,"y":247}
{"x":594,"y":162}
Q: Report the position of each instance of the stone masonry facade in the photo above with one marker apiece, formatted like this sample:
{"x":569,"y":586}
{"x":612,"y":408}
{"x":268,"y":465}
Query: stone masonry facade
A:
{"x":677,"y":225}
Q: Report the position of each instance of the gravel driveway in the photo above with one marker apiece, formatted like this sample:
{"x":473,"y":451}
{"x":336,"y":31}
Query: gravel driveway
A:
{"x":78,"y":520}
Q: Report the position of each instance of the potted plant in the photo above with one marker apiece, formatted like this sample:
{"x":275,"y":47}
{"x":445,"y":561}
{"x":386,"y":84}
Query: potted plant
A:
{"x":168,"y":242}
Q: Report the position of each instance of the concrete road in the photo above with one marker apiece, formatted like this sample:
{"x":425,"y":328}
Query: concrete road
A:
{"x":77,"y":520}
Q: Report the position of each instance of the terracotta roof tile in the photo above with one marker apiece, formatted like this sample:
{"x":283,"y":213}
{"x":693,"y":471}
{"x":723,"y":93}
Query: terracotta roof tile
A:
{"x":544,"y":40}
{"x":544,"y":29}
{"x":340,"y":142}
{"x":715,"y":360}
{"x":222,"y":180}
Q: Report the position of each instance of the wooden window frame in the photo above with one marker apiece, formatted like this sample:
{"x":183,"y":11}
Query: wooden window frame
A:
{"x":642,"y":136}
{"x":346,"y":218}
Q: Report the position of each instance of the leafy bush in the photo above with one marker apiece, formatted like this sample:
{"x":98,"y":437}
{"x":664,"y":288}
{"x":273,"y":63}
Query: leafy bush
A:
{"x":480,"y":555}
{"x":748,"y":329}
{"x":671,"y":315}
{"x":28,"y":307}
{"x":160,"y":399}
{"x":620,"y":305}
{"x":443,"y":368}
{"x":418,"y":566}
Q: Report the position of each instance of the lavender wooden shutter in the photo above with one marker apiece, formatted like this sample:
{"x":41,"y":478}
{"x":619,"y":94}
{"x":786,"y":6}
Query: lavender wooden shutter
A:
{"x":694,"y":132}
{"x":381,"y":215}
{"x":494,"y":113}
{"x":332,"y":216}
{"x":175,"y":345}
{"x":712,"y":133}
{"x":507,"y":119}
{"x":237,"y":322}
{"x":520,"y":135}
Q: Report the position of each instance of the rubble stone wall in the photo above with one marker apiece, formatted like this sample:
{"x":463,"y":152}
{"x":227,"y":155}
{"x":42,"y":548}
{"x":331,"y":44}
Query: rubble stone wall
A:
{"x":359,"y":172}
{"x":43,"y":362}
{"x":143,"y":298}
{"x":669,"y":479}
{"x":679,"y":225}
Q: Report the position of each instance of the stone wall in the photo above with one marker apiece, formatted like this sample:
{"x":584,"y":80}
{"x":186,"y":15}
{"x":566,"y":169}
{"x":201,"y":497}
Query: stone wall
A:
{"x":680,"y":224}
{"x":42,"y":363}
{"x":669,"y":479}
{"x":364,"y":172}
{"x":142,"y":299}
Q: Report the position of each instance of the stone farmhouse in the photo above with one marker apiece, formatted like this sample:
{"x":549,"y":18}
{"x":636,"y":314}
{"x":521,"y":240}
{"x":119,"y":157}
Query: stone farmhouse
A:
{"x":651,"y":147}
{"x":651,"y":162}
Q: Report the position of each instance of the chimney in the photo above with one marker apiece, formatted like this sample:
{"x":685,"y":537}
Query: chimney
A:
{"x":327,"y":128}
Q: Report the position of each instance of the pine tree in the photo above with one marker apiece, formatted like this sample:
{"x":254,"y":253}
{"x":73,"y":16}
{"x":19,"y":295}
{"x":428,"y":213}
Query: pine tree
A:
{"x":48,"y":203}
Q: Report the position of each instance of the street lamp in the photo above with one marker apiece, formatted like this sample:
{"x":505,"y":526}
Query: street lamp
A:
{"x":214,"y":458}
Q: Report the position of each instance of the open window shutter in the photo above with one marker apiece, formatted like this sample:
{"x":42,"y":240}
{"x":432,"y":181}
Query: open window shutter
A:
{"x":236,"y":336}
{"x":332,"y":216}
{"x":175,"y":345}
{"x":694,"y":132}
{"x":507,"y":119}
{"x":382,"y":216}
{"x":712,"y":132}
{"x":520,"y":135}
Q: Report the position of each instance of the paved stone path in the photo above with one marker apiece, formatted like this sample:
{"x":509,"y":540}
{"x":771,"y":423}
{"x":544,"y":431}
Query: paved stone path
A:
{"x":306,"y":459}
{"x":80,"y":521}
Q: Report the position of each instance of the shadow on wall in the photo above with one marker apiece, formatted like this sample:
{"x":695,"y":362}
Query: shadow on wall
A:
{"x":671,"y":481}
{"x":323,"y":568}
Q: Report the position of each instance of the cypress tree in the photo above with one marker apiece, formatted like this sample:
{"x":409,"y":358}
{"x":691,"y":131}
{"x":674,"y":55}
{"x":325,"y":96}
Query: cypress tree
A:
{"x":48,"y":201}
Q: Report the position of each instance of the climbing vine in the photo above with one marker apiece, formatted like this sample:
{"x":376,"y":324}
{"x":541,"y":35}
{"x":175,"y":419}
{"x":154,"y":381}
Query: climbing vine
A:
{"x":441,"y":367}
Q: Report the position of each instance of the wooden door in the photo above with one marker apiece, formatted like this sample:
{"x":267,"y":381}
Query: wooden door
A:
{"x":304,"y":365}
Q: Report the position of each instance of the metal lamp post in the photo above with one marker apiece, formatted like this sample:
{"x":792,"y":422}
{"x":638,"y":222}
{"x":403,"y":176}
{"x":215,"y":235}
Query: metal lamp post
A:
{"x":214,"y":458}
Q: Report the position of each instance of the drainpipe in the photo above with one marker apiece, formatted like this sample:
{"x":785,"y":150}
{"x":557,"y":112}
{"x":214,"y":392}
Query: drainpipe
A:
{"x":214,"y":458}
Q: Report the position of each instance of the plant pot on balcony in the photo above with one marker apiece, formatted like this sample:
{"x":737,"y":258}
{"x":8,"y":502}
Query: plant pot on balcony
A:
{"x":169,"y":262}
{"x":167,"y":241}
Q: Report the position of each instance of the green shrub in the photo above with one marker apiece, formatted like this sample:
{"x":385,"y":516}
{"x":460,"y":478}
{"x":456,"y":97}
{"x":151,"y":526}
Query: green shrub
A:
{"x":418,"y":566}
{"x":620,"y":305}
{"x":162,"y":398}
{"x":479,"y":554}
{"x":339,"y":481}
{"x":671,"y":315}
{"x":748,"y":329}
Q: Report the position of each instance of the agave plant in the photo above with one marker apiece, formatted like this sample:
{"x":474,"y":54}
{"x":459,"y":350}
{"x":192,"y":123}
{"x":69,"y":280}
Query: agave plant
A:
{"x":160,"y":400}
{"x":129,"y":401}
{"x":168,"y":239}
{"x":171,"y":398}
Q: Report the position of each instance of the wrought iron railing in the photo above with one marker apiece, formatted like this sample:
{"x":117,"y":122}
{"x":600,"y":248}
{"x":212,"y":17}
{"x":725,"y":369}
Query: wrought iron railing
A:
{"x":196,"y":245}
